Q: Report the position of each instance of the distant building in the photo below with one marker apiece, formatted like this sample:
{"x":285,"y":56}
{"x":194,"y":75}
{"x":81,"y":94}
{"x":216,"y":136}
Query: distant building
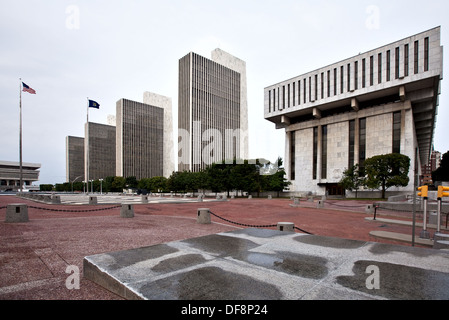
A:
{"x":212,"y":101}
{"x":140,"y":149}
{"x":99,"y":152}
{"x":429,"y":167}
{"x":379,"y":102}
{"x":74,"y":159}
{"x":138,"y":141}
{"x":165,"y":103}
{"x":10,"y":175}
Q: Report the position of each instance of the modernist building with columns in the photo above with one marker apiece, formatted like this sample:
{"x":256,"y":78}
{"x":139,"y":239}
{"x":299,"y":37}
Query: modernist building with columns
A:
{"x":378,"y":102}
{"x":10,"y":175}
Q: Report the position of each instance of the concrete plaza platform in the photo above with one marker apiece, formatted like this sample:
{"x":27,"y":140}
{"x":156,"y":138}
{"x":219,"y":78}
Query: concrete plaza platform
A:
{"x":263,"y":264}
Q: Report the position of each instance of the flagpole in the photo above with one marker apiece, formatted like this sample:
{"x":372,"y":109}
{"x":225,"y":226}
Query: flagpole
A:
{"x":87,"y":144}
{"x":20,"y":135}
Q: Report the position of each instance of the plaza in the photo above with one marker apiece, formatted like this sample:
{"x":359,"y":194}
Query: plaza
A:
{"x":328,"y":263}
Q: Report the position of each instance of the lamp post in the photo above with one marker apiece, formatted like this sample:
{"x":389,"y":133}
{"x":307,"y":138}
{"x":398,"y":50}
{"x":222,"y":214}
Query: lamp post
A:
{"x":101,"y":186}
{"x":74,"y":181}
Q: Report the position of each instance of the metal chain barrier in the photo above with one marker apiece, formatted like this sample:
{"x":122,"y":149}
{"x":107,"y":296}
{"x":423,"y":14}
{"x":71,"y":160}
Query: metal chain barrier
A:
{"x":344,"y":205}
{"x":65,"y":210}
{"x":252,"y":226}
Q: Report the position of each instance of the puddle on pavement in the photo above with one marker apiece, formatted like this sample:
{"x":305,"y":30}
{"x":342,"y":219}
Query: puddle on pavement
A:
{"x":398,"y":281}
{"x":300,"y":265}
{"x":330,"y":242}
{"x":129,"y":257}
{"x":210,"y":283}
{"x":177,"y":263}
{"x":222,"y":245}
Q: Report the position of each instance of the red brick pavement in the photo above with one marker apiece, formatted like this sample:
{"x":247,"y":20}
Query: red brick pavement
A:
{"x":34,"y":255}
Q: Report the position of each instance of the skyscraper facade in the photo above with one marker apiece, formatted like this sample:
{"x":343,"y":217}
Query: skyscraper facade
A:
{"x":212,"y":110}
{"x":74,"y":158}
{"x":99,"y":151}
{"x":139,"y":140}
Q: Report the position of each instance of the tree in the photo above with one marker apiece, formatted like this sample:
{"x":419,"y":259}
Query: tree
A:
{"x":118,"y":184}
{"x":442,"y":173}
{"x":274,"y":176}
{"x":46,"y":187}
{"x":131,"y":182}
{"x":353,"y":178}
{"x":385,"y":171}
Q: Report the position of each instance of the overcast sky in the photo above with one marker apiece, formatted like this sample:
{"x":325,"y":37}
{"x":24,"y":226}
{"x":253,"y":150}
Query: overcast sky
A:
{"x":107,"y":50}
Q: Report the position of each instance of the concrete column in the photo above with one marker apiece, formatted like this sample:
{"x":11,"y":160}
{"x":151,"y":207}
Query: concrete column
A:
{"x":127,"y":211}
{"x":17,"y":212}
{"x":203,"y":216}
{"x":319,"y":153}
{"x":286,"y":226}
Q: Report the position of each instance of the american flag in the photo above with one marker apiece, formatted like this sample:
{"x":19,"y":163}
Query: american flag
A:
{"x":28,"y":89}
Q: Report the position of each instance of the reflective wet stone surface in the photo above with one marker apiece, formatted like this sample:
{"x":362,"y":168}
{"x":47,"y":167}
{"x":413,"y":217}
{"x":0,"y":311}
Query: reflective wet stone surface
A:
{"x":258,"y":264}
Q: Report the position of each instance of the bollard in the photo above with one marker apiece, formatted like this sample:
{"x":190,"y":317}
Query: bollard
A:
{"x":203,"y":216}
{"x":200,"y":199}
{"x":16,"y":212}
{"x":286,"y":226}
{"x":320,"y":204}
{"x":144,"y":199}
{"x":295,"y":203}
{"x":127,"y":211}
{"x":250,"y":197}
{"x":369,"y":208}
{"x":270,"y":197}
{"x":56,"y":199}
{"x":92,"y":200}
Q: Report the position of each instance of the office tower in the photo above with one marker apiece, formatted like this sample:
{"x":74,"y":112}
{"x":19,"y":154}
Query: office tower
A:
{"x":379,"y":102}
{"x":99,"y":152}
{"x":140,"y":139}
{"x":74,"y":159}
{"x":165,"y":103}
{"x":212,"y":110}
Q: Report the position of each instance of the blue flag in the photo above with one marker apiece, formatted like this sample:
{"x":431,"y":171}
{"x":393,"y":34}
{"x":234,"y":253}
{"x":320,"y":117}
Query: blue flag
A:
{"x":94,"y":104}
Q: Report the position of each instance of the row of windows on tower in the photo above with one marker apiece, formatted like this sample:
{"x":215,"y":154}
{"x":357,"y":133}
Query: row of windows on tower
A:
{"x":349,"y":77}
{"x":396,"y":146}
